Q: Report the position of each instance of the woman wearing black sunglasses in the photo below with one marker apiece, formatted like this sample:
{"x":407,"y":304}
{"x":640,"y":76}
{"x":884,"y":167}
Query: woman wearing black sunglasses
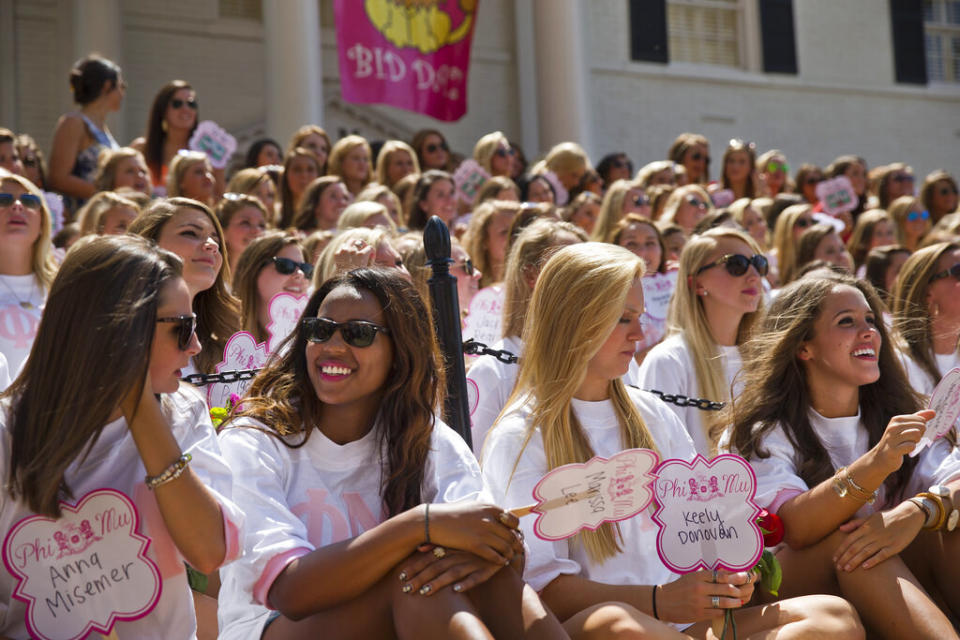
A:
{"x":273,"y":263}
{"x":107,"y":414}
{"x":718,"y":298}
{"x":432,"y":149}
{"x":173,"y":118}
{"x":374,"y":531}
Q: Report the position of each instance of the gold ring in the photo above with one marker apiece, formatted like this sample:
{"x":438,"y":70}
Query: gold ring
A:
{"x":439,"y":552}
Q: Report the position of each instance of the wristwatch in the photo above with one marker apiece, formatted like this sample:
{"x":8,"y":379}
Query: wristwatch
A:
{"x":942,"y":494}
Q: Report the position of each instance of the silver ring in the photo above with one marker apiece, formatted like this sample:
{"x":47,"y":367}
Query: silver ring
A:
{"x":715,"y":576}
{"x":715,"y":602}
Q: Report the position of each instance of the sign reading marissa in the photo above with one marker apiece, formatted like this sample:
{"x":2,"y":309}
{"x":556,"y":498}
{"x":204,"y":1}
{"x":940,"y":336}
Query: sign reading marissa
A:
{"x":411,"y":55}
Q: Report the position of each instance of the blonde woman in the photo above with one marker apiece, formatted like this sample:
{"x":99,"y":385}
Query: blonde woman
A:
{"x":493,"y":379}
{"x":717,"y":300}
{"x":487,"y":237}
{"x":568,"y":161}
{"x":583,"y":211}
{"x":658,"y":172}
{"x":570,"y":404}
{"x":494,"y":154}
{"x":686,"y":206}
{"x":396,"y":160}
{"x":106,"y":214}
{"x":382,"y":194}
{"x":191,"y":176}
{"x":315,"y":139}
{"x":242,"y":218}
{"x":622,"y":197}
{"x":350,"y":160}
{"x":365,"y":214}
{"x":873,"y":228}
{"x":497,"y":188}
{"x":257,"y":183}
{"x":791,"y":224}
{"x":124,"y":167}
{"x":926,"y":314}
{"x":750,"y":218}
{"x":773,"y":172}
{"x":912,"y":221}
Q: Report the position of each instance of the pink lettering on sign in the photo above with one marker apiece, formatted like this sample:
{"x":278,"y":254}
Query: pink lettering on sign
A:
{"x":485,"y":319}
{"x":411,"y":55}
{"x":242,"y":352}
{"x":84,"y":571}
{"x":285,"y":311}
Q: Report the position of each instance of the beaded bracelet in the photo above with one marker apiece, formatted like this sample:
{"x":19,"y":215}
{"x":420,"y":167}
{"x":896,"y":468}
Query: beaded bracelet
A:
{"x":170,"y":473}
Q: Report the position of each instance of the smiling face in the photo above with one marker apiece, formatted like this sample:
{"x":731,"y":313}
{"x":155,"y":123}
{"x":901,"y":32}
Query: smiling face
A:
{"x":181,"y":111}
{"x":344,"y":375}
{"x":132,"y":172}
{"x":440,"y":201}
{"x":399,"y":165}
{"x":190,"y":234}
{"x":843,"y":352}
{"x":19,"y":225}
{"x":316,"y":143}
{"x":434,"y":152}
{"x":539,"y":191}
{"x":300,"y":172}
{"x":919,"y":226}
{"x":331,"y":204}
{"x":613,"y":358}
{"x":356,"y":164}
{"x":270,"y":282}
{"x":166,"y":357}
{"x":641,"y":240}
{"x":245,"y":225}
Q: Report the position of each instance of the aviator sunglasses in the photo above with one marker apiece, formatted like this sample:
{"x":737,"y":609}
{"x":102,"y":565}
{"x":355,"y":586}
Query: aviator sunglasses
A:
{"x":186,"y":326}
{"x":286,"y":266}
{"x":356,"y":333}
{"x":28,"y":200}
{"x":737,"y":264}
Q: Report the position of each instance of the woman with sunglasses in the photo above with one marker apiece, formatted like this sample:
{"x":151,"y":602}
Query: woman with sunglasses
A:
{"x":27,"y":266}
{"x":773,"y":173}
{"x":718,"y":299}
{"x":190,"y":229}
{"x":571,"y":404}
{"x":128,"y":427}
{"x":926,"y":314}
{"x":938,"y":195}
{"x":692,"y":151}
{"x":911,"y":220}
{"x":686,"y":206}
{"x":826,"y":419}
{"x":494,"y":154}
{"x":891,"y":182}
{"x":343,"y":453}
{"x":807,"y":178}
{"x":98,"y":88}
{"x":273,"y":263}
{"x":623,"y":197}
{"x":173,"y":118}
{"x":242,"y":218}
{"x":432,"y":150}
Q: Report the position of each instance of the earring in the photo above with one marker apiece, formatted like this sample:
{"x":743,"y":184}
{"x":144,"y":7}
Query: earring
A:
{"x":935,"y":311}
{"x":703,"y":293}
{"x":164,"y":125}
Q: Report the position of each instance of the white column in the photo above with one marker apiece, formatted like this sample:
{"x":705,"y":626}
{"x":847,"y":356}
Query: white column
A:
{"x":294,"y":83}
{"x":526,"y":60}
{"x":97,"y":28}
{"x":562,"y":82}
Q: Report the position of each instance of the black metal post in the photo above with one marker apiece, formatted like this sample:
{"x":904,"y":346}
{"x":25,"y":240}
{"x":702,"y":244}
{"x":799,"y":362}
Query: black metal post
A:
{"x":446,"y":316}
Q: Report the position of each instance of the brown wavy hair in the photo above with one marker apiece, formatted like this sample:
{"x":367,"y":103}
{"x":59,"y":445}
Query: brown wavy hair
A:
{"x":282,"y":396}
{"x":156,"y":136}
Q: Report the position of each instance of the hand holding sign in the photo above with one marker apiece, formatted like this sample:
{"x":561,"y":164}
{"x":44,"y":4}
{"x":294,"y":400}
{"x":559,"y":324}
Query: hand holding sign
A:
{"x":468,"y":178}
{"x":580,"y":495}
{"x":837,"y":195}
{"x":945,"y":400}
{"x":84,"y":571}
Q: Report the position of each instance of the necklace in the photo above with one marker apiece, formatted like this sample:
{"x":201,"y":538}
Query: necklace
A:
{"x":24,"y":304}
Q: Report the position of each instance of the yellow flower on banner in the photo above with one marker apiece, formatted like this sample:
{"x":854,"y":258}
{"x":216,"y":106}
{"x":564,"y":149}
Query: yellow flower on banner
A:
{"x":419,"y":23}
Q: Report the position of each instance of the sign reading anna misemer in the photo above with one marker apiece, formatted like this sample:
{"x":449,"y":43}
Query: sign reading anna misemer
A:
{"x":411,"y":54}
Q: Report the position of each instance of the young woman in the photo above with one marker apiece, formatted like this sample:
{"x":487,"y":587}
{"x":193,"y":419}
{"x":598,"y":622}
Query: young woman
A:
{"x":926,"y":314}
{"x":123,"y":167}
{"x":356,"y":391}
{"x":568,"y":162}
{"x":738,"y":173}
{"x":773,"y":173}
{"x":657,"y":173}
{"x":911,"y":221}
{"x":822,"y":242}
{"x":242,"y":219}
{"x":433,"y":195}
{"x":263,"y":152}
{"x":273,"y":263}
{"x":826,"y":419}
{"x":98,"y":88}
{"x":583,"y":211}
{"x":614,"y":166}
{"x":355,"y":248}
{"x":487,"y":237}
{"x":623,"y":197}
{"x":893,"y":181}
{"x":432,"y":150}
{"x":462,"y":268}
{"x":191,"y":176}
{"x":854,"y":168}
{"x":189,"y":229}
{"x":750,"y":219}
{"x":535,"y":188}
{"x":938,"y":195}
{"x":790,"y":225}
{"x":257,"y":183}
{"x":686,"y":206}
{"x":300,"y":168}
{"x":395,"y":160}
{"x":323,"y":201}
{"x":107,"y":214}
{"x":173,"y":119}
{"x":717,"y":301}
{"x":570,"y":404}
{"x":873,"y":228}
{"x":315,"y":139}
{"x":27,"y":266}
{"x":366,"y":214}
{"x":692,"y":152}
{"x":881,"y":268}
{"x":497,"y":188}
{"x":128,"y":427}
{"x":807,"y":178}
{"x":383,"y":195}
{"x":350,"y":160}
{"x":494,"y":154}
{"x":492,"y":378}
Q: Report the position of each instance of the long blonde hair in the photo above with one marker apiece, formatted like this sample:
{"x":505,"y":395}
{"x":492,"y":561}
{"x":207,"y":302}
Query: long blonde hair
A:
{"x":783,"y":242}
{"x":686,"y":315}
{"x":611,"y":209}
{"x":598,"y":277}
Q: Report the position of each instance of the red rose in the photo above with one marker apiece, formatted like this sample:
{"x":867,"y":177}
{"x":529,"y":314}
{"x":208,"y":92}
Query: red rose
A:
{"x":772,"y":528}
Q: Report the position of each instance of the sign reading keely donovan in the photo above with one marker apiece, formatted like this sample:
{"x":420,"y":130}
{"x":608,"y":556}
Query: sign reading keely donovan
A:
{"x":411,"y":55}
{"x":706,"y":514}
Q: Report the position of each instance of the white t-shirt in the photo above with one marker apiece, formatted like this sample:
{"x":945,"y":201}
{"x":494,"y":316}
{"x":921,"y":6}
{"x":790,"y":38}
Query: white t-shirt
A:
{"x":489,"y":383}
{"x":639,"y":562}
{"x":845,"y":439}
{"x":5,"y":379}
{"x":302,"y":499}
{"x":920,"y":380}
{"x":114,"y":463}
{"x":669,"y":368}
{"x":22,"y":299}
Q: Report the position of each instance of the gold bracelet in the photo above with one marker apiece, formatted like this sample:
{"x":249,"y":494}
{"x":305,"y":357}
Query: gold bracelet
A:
{"x":172,"y":472}
{"x":941,"y":512}
{"x":857,"y":489}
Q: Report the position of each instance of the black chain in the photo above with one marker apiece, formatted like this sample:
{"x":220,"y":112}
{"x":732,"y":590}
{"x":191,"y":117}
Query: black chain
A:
{"x":474,"y":348}
{"x":683,"y":401}
{"x":224,"y":377}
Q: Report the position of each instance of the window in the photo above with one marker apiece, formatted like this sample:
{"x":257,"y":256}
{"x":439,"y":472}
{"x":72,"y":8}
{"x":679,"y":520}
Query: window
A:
{"x":941,"y":34}
{"x":705,"y":31}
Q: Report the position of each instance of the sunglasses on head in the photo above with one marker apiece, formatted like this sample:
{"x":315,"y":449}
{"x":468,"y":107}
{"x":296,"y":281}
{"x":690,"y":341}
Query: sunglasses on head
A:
{"x":913,"y":216}
{"x":952,"y":272}
{"x":434,"y":147}
{"x":803,"y":223}
{"x":356,"y":333}
{"x":503,"y":152}
{"x":186,"y":327}
{"x":28,"y":200}
{"x":177,"y":103}
{"x":286,"y":266}
{"x":737,"y":264}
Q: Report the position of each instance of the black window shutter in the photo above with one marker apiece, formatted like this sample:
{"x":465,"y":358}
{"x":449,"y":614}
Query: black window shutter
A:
{"x":777,"y":34}
{"x":909,"y":54}
{"x":648,"y":30}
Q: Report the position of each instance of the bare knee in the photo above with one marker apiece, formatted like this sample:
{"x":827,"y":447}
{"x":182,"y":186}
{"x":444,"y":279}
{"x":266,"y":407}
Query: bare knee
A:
{"x":613,"y":621}
{"x":829,"y":616}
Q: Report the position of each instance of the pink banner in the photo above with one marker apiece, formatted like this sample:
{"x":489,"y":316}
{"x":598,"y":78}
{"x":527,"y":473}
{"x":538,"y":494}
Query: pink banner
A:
{"x":409,"y":54}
